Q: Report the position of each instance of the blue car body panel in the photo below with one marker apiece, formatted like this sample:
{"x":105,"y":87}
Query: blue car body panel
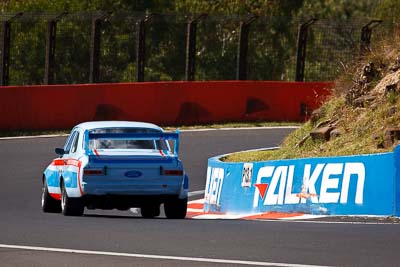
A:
{"x":99,"y":161}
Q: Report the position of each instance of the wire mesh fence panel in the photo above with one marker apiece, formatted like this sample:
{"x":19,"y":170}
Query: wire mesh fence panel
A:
{"x":331,"y":45}
{"x":165,"y":48}
{"x":272,"y":49}
{"x":27,"y":52}
{"x":117,"y":48}
{"x":72,"y":54}
{"x":380,"y":34}
{"x":217,"y":40}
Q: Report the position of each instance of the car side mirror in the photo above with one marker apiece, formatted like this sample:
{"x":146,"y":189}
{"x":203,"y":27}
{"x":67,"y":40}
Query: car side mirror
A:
{"x":60,"y":151}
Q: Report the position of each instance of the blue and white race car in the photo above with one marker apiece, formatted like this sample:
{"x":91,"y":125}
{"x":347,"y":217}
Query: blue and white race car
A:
{"x":117,"y":165}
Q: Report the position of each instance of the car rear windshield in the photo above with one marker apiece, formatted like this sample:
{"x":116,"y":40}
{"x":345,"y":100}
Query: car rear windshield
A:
{"x":126,"y":143}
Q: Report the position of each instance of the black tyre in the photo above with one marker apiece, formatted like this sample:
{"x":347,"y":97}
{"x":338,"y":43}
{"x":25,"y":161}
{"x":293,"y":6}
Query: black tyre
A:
{"x":175,"y":208}
{"x":49,"y":204}
{"x":70,"y":206}
{"x":150,"y":211}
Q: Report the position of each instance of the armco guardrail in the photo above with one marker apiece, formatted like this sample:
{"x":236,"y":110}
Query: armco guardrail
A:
{"x":166,"y":103}
{"x":348,"y":185}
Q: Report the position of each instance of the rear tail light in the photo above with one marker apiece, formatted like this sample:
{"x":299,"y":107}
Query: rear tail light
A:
{"x":173,"y":172}
{"x":93,"y":171}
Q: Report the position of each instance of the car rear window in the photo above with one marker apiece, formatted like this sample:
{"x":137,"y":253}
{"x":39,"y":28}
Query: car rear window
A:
{"x":126,"y":143}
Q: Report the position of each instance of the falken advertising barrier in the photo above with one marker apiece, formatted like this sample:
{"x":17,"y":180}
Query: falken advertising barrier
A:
{"x":166,"y":103}
{"x":348,"y":185}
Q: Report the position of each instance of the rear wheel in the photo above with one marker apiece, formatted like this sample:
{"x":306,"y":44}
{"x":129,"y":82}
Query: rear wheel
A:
{"x":70,"y":206}
{"x":175,"y":208}
{"x":150,"y":211}
{"x":49,"y":204}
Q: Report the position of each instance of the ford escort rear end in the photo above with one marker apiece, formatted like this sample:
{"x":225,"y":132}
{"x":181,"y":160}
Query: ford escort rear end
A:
{"x":117,"y":165}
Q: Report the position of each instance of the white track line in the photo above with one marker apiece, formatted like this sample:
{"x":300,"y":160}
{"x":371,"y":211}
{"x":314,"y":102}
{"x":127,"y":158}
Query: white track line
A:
{"x":34,"y":136}
{"x":149,"y":256}
{"x":197,"y":201}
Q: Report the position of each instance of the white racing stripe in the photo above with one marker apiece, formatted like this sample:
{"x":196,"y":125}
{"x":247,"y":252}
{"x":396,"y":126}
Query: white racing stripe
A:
{"x":160,"y":257}
{"x":195,"y":210}
{"x":197,"y":201}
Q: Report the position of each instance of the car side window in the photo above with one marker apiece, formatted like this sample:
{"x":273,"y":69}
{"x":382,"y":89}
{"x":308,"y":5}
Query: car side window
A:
{"x":69,"y":142}
{"x":75,"y":143}
{"x":69,"y":139}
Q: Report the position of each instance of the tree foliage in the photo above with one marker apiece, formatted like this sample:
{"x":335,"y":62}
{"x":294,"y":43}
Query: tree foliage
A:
{"x":272,"y":39}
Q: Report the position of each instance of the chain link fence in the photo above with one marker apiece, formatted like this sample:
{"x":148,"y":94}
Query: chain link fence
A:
{"x":272,"y":47}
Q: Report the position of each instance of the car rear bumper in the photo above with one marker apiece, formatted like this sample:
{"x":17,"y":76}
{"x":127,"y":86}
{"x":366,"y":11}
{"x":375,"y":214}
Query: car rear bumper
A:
{"x":166,"y":188}
{"x":124,"y":202}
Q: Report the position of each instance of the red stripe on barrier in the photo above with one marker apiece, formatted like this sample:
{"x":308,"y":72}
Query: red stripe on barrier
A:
{"x":199,"y":206}
{"x":190,"y":214}
{"x":200,"y":214}
{"x":272,"y":215}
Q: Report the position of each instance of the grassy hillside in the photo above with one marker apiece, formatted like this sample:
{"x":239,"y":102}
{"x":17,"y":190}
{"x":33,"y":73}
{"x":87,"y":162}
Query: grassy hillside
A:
{"x":362,"y":113}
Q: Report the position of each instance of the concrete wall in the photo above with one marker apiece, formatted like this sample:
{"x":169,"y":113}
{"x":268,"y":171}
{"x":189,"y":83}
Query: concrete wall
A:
{"x":350,"y":185}
{"x":166,"y":103}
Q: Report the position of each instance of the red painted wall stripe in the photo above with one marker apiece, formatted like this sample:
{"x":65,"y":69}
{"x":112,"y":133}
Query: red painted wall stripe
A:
{"x":166,"y":103}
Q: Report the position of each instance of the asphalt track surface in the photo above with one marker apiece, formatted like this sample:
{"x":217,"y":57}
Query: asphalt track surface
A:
{"x":112,"y":238}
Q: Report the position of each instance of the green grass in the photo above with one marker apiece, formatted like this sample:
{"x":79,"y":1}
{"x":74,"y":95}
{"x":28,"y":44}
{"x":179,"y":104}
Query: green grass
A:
{"x":361,"y":132}
{"x":361,"y":129}
{"x":232,"y":125}
{"x":12,"y":133}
